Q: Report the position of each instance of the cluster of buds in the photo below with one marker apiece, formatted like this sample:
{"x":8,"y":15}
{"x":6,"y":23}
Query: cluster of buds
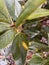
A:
{"x":10,"y":60}
{"x":29,"y":55}
{"x":45,"y":54}
{"x":45,"y":24}
{"x":44,"y":40}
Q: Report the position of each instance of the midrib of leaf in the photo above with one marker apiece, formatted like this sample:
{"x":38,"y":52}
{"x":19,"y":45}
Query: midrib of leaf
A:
{"x":3,"y":14}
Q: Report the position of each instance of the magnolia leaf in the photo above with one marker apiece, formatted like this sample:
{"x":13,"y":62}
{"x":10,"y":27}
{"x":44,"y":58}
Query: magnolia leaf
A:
{"x":4,"y":27}
{"x":24,"y":47}
{"x":11,"y":7}
{"x":15,"y":48}
{"x":28,"y":10}
{"x":43,"y":34}
{"x":6,"y":38}
{"x":31,"y":33}
{"x":31,"y":28}
{"x":36,"y":60}
{"x":47,"y":63}
{"x":46,"y":29}
{"x":39,"y":46}
{"x":20,"y":47}
{"x":41,"y":41}
{"x":17,"y":9}
{"x":38,"y":13}
{"x":4,"y":14}
{"x":31,"y":23}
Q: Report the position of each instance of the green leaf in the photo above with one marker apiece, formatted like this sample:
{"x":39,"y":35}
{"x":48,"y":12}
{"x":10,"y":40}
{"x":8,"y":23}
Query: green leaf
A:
{"x":6,"y":38}
{"x":36,"y":60}
{"x":47,"y":63}
{"x":39,"y":46}
{"x":46,"y":29}
{"x":28,"y":10}
{"x":39,"y":37}
{"x":20,"y":46}
{"x":31,"y":23}
{"x":38,"y":13}
{"x":4,"y":14}
{"x":11,"y":7}
{"x":4,"y":27}
{"x":15,"y":47}
{"x":31,"y":33}
{"x":24,"y":47}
